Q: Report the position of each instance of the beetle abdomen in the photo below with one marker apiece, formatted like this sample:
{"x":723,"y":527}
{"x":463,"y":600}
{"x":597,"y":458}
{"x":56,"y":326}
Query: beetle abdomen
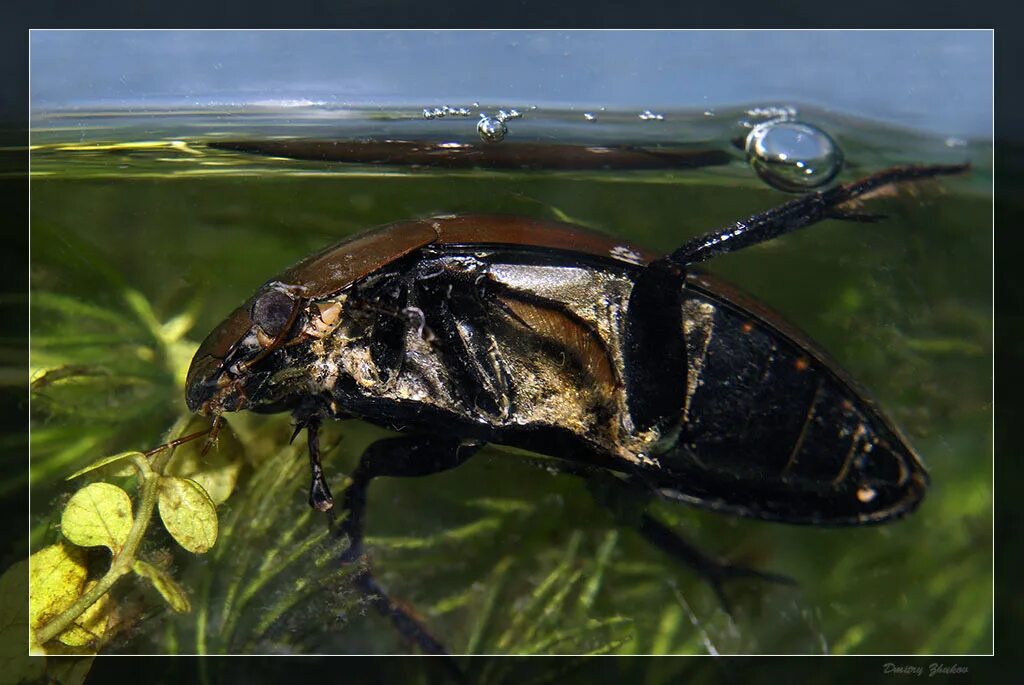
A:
{"x":776,"y":432}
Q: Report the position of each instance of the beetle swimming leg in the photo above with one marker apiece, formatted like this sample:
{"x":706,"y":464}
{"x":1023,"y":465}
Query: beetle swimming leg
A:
{"x":798,"y":213}
{"x":627,"y":501}
{"x":654,"y":349}
{"x":400,"y":457}
{"x":714,"y":571}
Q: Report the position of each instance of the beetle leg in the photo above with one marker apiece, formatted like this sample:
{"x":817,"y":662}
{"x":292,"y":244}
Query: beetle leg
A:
{"x":319,"y":494}
{"x":407,"y":624}
{"x":798,"y":213}
{"x":400,"y":457}
{"x":712,"y":570}
{"x":627,"y":500}
{"x":655,"y":348}
{"x":859,"y":217}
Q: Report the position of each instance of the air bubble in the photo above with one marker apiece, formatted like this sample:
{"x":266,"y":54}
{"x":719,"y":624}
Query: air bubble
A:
{"x":445,"y":110}
{"x":792,"y":155}
{"x":491,"y":130}
{"x":648,"y":115}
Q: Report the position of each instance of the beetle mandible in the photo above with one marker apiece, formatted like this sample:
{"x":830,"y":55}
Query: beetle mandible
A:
{"x":633,"y":370}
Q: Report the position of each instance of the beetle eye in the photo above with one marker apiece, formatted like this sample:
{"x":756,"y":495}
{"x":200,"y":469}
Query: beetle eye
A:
{"x":271,"y":311}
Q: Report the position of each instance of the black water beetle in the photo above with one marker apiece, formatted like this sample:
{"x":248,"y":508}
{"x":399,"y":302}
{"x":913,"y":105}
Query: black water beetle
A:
{"x":633,"y":370}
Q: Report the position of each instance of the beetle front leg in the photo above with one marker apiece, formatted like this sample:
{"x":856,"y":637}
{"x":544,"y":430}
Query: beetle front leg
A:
{"x":319,"y":494}
{"x":401,"y":457}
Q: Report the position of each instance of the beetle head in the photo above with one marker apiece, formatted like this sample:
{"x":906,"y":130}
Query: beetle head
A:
{"x":227,"y":367}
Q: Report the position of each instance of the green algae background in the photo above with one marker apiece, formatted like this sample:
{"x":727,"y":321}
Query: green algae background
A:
{"x":132,"y":265}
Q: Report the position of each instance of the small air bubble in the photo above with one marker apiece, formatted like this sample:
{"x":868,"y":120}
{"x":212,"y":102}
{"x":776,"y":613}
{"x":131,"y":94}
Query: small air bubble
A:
{"x":648,"y":115}
{"x":792,"y":155}
{"x":491,"y":130}
{"x":502,"y":115}
{"x":443,"y":111}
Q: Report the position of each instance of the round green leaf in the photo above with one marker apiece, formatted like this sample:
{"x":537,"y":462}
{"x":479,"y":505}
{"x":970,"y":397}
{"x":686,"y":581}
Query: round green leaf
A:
{"x":98,"y":514}
{"x":104,"y":462}
{"x":188,"y":513}
{"x":217,"y":470}
{"x":165,"y":585}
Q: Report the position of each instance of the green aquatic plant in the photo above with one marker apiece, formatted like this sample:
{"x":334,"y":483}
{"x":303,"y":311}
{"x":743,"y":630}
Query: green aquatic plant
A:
{"x":63,"y":605}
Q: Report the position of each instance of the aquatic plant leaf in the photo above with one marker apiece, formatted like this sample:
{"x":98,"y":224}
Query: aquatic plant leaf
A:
{"x":56,"y":577}
{"x":100,"y":463}
{"x":91,"y":627}
{"x":217,"y":470}
{"x":98,"y":514}
{"x":77,"y":310}
{"x":596,"y":576}
{"x":188,"y":513}
{"x":68,"y":670}
{"x":165,"y":585}
{"x":14,"y":626}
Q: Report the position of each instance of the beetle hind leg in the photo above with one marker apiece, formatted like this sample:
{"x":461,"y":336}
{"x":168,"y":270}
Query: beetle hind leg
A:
{"x":627,"y":500}
{"x":712,"y":570}
{"x":802,"y":211}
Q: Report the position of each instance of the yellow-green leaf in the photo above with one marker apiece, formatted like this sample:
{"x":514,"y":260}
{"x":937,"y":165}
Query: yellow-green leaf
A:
{"x":217,"y":470}
{"x":165,"y":585}
{"x":56,"y":577}
{"x":15,"y":662}
{"x":68,"y":670}
{"x":90,"y":628}
{"x":188,"y":513}
{"x":98,"y":514}
{"x":104,"y":462}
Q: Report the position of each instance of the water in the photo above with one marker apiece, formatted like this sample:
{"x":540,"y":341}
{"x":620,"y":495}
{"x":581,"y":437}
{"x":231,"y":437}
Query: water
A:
{"x":152,"y":208}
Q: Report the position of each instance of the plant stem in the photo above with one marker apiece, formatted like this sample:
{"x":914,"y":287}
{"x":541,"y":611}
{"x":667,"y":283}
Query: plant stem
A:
{"x":122,"y":562}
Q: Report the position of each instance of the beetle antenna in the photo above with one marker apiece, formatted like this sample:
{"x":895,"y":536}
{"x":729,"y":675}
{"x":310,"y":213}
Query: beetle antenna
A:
{"x":182,"y":440}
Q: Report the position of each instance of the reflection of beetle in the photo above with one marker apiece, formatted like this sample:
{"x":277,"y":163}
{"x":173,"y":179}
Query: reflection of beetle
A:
{"x":633,"y":371}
